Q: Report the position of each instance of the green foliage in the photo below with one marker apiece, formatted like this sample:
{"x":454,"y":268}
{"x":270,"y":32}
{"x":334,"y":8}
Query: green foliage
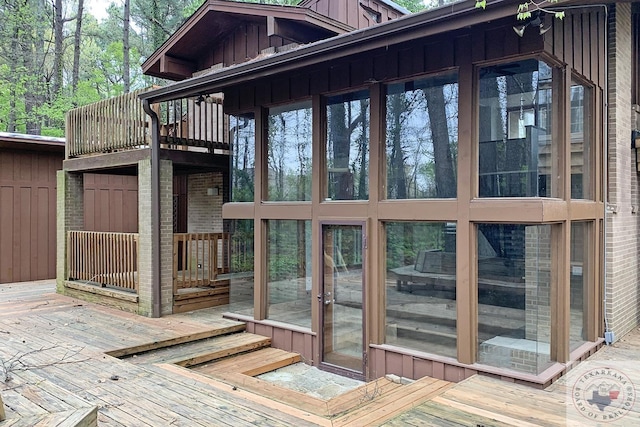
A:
{"x":525,"y":9}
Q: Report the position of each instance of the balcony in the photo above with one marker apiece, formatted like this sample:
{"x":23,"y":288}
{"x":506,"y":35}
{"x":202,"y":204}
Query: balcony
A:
{"x":120,"y":124}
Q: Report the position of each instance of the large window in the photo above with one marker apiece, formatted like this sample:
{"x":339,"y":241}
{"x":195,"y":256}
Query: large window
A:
{"x":580,"y":247}
{"x":241,"y":279}
{"x":581,"y":143}
{"x":289,"y":152}
{"x":421,"y":286}
{"x":514,"y":299}
{"x":289,"y":272}
{"x":516,"y":157}
{"x":422,"y":138}
{"x":348,"y":146}
{"x":242,"y":136}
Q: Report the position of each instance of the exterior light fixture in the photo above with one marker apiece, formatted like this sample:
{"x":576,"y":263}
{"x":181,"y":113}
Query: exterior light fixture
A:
{"x":199,"y":99}
{"x":537,"y":20}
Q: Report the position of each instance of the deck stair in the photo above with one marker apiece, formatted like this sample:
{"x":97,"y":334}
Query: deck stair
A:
{"x":202,"y":351}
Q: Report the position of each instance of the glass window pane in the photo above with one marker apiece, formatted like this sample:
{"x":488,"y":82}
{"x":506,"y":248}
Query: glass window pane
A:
{"x":241,"y":277}
{"x":421,"y":286}
{"x":289,"y":275}
{"x":422,"y":138}
{"x":242,"y":136}
{"x":348,"y":146}
{"x":580,"y":246}
{"x":289,"y":152}
{"x":581,"y":145}
{"x":514,"y":307}
{"x":515,"y":152}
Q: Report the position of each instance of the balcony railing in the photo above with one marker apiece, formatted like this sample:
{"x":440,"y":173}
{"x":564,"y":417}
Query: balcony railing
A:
{"x":113,"y":124}
{"x":198,"y":258}
{"x":104,"y":259}
{"x":120,"y":123}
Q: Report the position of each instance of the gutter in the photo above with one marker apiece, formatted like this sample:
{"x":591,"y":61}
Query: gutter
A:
{"x":156,"y":285}
{"x":428,"y":23}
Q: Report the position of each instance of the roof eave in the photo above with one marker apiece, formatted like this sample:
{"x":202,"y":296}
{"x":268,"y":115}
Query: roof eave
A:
{"x":249,"y":9}
{"x":429,"y":23}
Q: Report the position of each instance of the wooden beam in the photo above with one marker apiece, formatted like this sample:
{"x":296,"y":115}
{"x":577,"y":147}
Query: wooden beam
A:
{"x":176,"y":67}
{"x":106,"y":161}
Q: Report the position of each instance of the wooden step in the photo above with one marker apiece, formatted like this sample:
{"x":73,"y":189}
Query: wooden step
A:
{"x":208,"y":350}
{"x":254,"y":363}
{"x":391,"y":404}
{"x":222,"y":327}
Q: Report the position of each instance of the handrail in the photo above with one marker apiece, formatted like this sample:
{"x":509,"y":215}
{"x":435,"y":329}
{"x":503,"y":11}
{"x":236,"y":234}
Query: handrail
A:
{"x":103,"y":258}
{"x":117,"y":123}
{"x":198,"y":258}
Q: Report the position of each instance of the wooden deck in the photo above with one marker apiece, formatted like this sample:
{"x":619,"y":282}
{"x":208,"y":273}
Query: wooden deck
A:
{"x":61,"y":356}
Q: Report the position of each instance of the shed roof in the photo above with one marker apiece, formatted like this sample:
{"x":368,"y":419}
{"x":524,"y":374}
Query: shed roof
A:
{"x":31,"y":142}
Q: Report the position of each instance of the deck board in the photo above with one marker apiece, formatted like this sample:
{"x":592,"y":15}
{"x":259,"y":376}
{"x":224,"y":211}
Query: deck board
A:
{"x":35,"y":320}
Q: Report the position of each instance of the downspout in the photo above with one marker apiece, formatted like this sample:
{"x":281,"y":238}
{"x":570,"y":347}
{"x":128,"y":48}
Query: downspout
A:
{"x":156,"y":286}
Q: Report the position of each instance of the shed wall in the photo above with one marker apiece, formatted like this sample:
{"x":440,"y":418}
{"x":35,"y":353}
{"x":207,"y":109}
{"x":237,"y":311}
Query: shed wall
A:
{"x":28,"y":215}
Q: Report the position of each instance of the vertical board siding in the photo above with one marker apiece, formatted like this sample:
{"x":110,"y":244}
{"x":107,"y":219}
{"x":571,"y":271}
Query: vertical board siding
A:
{"x":490,"y":42}
{"x":111,"y":203}
{"x":27,"y":214}
{"x":577,"y":40}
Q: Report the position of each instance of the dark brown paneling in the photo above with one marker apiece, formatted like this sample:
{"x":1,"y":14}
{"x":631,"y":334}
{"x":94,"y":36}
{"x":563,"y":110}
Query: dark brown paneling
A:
{"x":27,"y":214}
{"x":111,"y":203}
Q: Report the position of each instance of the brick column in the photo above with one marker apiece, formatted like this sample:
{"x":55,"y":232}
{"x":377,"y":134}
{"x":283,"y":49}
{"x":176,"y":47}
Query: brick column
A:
{"x":166,"y":236}
{"x":622,"y":227}
{"x":70,"y":217}
{"x":146,"y":230}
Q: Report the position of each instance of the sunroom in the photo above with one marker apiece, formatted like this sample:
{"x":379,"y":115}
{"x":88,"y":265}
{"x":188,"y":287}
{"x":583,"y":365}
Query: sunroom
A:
{"x":424,"y":197}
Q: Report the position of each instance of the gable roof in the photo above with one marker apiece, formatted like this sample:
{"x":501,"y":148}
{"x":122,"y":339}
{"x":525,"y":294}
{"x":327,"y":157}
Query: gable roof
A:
{"x":423,"y":24}
{"x":216,"y":18}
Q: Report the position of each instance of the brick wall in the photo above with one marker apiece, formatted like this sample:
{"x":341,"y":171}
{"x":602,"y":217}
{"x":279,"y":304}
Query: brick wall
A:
{"x":204,"y":210}
{"x":622,"y":229}
{"x":145,"y":292}
{"x":70,"y":216}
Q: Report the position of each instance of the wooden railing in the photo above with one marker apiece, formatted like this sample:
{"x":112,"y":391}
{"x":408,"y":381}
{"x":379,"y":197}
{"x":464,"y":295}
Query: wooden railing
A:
{"x":198,"y":258}
{"x":113,"y":124}
{"x":120,"y":123}
{"x":105,"y":259}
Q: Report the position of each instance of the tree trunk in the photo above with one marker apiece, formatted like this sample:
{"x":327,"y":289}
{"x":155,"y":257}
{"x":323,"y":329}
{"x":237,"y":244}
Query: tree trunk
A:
{"x":445,"y":172}
{"x":76,"y":49}
{"x":397,"y":181}
{"x":58,"y":25}
{"x":126,"y":77}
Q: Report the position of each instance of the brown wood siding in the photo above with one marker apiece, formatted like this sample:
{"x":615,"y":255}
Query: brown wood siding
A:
{"x":577,"y":40}
{"x":351,"y":13}
{"x":490,"y":42}
{"x":111,"y":203}
{"x":246,"y":42}
{"x":28,"y":215}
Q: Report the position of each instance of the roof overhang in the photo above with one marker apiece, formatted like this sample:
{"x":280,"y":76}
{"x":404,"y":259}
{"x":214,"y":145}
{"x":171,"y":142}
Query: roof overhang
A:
{"x":177,"y":58}
{"x":19,"y":141}
{"x":424,"y":24}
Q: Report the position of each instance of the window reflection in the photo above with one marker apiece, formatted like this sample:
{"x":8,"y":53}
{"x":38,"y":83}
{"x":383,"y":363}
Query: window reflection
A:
{"x":242,"y":136}
{"x":422,"y":138}
{"x":289,"y":152}
{"x":515,"y":152}
{"x":348,"y":146}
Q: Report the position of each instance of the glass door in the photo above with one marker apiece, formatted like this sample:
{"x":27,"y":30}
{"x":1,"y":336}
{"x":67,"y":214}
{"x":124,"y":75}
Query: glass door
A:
{"x":342,"y":298}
